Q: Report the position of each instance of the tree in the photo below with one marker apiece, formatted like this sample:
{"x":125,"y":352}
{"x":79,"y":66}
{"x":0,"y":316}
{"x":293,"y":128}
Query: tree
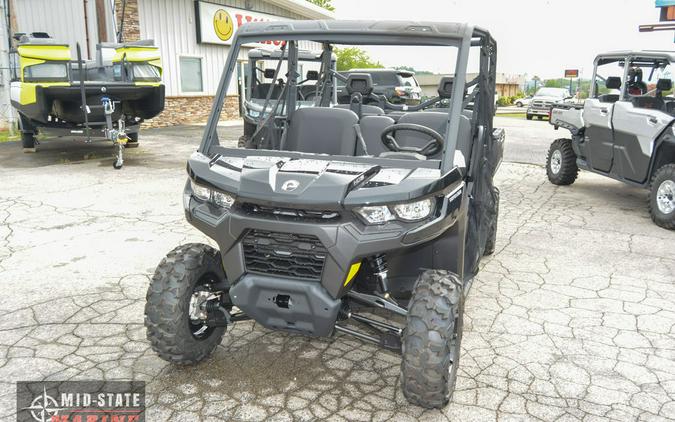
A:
{"x":354,"y":58}
{"x":323,"y":3}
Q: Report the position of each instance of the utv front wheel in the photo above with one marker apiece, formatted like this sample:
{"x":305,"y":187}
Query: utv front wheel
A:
{"x":561,"y":163}
{"x":431,"y":339}
{"x":529,"y":117}
{"x":662,"y":197}
{"x":181,"y":278}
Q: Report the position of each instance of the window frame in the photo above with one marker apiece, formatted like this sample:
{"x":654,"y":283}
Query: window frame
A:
{"x":65,"y":78}
{"x":180,"y":78}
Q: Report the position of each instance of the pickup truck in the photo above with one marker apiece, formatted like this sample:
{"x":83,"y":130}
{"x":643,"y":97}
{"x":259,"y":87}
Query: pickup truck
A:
{"x":542,"y":101}
{"x":624,"y":130}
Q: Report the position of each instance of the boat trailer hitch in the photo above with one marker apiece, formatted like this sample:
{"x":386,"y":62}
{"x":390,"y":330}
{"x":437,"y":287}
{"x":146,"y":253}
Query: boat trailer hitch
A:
{"x":117,"y":136}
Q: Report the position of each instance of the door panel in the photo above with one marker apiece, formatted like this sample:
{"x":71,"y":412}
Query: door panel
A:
{"x":598,"y":137}
{"x":635,"y":131}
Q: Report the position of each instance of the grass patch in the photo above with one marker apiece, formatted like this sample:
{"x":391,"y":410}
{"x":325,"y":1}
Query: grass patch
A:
{"x":4,"y":136}
{"x":512,"y":115}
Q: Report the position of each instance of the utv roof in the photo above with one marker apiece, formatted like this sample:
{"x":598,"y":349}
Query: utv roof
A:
{"x":361,"y":31}
{"x":657,"y":54}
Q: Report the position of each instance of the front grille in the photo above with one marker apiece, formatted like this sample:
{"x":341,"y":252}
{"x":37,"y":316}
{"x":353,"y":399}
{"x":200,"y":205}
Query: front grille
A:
{"x":284,"y":254}
{"x":292,"y":213}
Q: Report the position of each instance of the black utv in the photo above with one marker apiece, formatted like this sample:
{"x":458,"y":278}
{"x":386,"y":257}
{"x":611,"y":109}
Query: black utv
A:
{"x":342,"y":211}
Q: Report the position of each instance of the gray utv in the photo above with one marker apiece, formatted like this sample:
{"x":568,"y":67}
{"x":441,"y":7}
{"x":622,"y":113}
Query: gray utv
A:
{"x":341,"y":211}
{"x":624,"y":130}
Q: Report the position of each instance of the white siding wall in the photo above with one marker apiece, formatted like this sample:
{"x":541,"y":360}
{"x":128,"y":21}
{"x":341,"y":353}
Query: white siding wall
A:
{"x":62,"y":19}
{"x":171,"y":23}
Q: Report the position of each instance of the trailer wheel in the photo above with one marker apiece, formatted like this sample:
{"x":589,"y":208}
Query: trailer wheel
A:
{"x":662,"y":197}
{"x":561,"y":163}
{"x":178,"y":280}
{"x":132,"y":140}
{"x":432,"y":338}
{"x":27,"y":134}
{"x":28,"y":141}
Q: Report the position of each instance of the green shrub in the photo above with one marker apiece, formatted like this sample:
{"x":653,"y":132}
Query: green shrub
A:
{"x":504,"y":101}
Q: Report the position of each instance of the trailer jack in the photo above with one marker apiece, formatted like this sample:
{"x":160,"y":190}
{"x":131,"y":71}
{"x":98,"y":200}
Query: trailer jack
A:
{"x":117,"y":136}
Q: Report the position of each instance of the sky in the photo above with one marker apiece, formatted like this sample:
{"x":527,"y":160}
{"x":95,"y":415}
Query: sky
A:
{"x":536,"y":37}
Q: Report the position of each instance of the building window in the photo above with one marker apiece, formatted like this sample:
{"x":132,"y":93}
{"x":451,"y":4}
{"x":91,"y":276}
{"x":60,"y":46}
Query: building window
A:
{"x":191,"y":74}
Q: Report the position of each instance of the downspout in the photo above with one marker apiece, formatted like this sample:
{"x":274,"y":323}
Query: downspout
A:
{"x":86,"y":29}
{"x":7,"y":71}
{"x":120,"y":32}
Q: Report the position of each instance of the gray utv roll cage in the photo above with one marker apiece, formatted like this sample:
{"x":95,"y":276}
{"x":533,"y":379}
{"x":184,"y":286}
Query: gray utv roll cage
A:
{"x":411,"y":33}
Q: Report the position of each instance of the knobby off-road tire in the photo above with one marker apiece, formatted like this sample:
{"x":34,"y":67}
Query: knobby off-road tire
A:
{"x":491,"y":242}
{"x":432,"y":338}
{"x":529,"y":117}
{"x":167,"y":304}
{"x":561,"y":163}
{"x":662,"y":189}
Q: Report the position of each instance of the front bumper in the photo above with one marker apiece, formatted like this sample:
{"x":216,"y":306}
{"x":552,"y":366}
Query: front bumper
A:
{"x":539,"y":111}
{"x":314,"y":303}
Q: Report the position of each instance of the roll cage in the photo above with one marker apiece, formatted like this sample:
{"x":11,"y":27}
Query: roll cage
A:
{"x":328,"y":33}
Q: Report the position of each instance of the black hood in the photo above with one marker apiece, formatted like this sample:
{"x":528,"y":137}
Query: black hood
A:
{"x":315,"y":183}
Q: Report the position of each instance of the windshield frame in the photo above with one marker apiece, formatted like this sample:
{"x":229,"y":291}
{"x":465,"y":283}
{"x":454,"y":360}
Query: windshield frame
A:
{"x":462,"y":41}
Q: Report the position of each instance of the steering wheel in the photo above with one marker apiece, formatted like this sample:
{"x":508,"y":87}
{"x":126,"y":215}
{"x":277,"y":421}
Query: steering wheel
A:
{"x":431,"y":148}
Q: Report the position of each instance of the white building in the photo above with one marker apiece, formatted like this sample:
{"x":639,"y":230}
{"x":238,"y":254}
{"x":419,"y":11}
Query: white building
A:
{"x":194,"y":38}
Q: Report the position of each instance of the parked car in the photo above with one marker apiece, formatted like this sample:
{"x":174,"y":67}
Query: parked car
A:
{"x":542,"y":101}
{"x":399,"y":86}
{"x":522,"y":102}
{"x":615,"y":133}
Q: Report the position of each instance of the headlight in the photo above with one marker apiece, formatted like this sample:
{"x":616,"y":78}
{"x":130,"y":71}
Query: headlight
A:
{"x":408,"y":212}
{"x":222,"y":199}
{"x":414,"y":211}
{"x":218,"y":198}
{"x":375,"y":215}
{"x":200,"y":192}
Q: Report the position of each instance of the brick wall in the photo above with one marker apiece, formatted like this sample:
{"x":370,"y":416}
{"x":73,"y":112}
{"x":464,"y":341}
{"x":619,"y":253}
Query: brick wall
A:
{"x":131,"y":30}
{"x":193,"y":110}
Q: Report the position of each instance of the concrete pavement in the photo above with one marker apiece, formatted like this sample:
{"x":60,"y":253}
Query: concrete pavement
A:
{"x":573,"y":318}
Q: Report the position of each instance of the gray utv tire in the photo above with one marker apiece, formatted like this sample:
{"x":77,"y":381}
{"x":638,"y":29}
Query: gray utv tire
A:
{"x":133,"y":140}
{"x":432,"y":338}
{"x":661,"y":197}
{"x":529,"y":117}
{"x":561,"y":163}
{"x":167,"y":304}
{"x":491,"y":242}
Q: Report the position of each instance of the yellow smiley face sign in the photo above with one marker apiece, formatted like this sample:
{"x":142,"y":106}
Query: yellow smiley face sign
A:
{"x":223,"y":25}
